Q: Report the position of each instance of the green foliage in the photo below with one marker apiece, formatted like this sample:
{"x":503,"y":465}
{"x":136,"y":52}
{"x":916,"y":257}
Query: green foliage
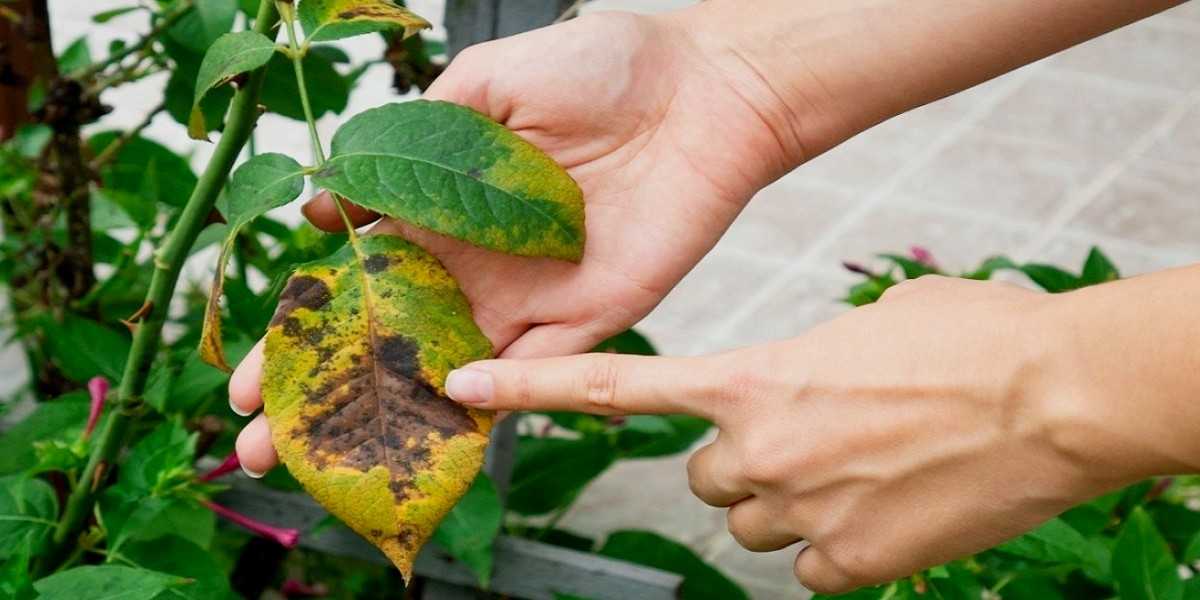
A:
{"x":230,"y":55}
{"x":1129,"y":544}
{"x":469,"y":532}
{"x":701,"y":581}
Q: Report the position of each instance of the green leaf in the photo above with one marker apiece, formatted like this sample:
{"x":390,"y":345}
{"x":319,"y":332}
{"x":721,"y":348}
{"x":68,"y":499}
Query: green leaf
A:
{"x":264,"y":182}
{"x":701,"y":581}
{"x":130,"y":515}
{"x":197,"y":382}
{"x":75,"y":57}
{"x":108,"y":15}
{"x":911,"y":267}
{"x":453,"y":170}
{"x":1050,"y":278}
{"x":683,"y":433}
{"x":84,"y":348}
{"x":176,"y":556}
{"x":1057,"y":542}
{"x":1098,"y":269}
{"x":627,"y":342}
{"x":231,"y":54}
{"x":16,"y":582}
{"x":200,"y":27}
{"x":107,"y":582}
{"x":328,"y":90}
{"x":549,"y":473}
{"x":167,"y":448}
{"x":146,"y":169}
{"x":470,"y":529}
{"x":1142,"y":565}
{"x":335,"y":19}
{"x":179,"y":95}
{"x":1191,"y":553}
{"x":353,"y":386}
{"x":28,"y":514}
{"x":47,"y":421}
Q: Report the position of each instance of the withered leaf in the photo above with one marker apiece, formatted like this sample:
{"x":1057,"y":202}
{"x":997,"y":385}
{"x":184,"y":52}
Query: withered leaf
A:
{"x":356,"y":360}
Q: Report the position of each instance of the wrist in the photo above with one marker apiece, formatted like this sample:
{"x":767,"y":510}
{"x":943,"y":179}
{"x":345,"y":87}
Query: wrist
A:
{"x":1122,"y":406}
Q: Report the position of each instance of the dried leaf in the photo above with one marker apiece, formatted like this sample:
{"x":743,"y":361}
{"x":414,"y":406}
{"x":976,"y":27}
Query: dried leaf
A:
{"x":356,"y":360}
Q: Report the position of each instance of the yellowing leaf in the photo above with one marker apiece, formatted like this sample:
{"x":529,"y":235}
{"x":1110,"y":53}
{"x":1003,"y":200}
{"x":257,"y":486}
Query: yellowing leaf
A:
{"x":455,"y":171}
{"x":356,"y":361}
{"x":324,"y":20}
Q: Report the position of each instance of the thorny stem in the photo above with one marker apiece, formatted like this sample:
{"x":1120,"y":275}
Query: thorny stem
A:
{"x":168,"y":262}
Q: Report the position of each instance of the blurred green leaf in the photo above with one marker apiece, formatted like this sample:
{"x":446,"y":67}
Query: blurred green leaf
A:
{"x":84,"y":348}
{"x":684,"y":431}
{"x":1051,"y":278}
{"x":28,"y":514}
{"x":701,"y":581}
{"x":328,"y":90}
{"x":470,"y":529}
{"x":75,"y":56}
{"x":1142,"y":565}
{"x":16,"y":582}
{"x":627,"y":342}
{"x":147,"y":170}
{"x":109,"y":582}
{"x":49,"y":419}
{"x":108,"y":15}
{"x":1098,"y":269}
{"x":203,"y":24}
{"x":177,"y":556}
{"x":550,"y":472}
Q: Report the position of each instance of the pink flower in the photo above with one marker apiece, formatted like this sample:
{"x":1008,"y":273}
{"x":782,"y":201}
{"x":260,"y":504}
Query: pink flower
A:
{"x":922,"y":255}
{"x":284,"y":536}
{"x":98,"y":389}
{"x":230,"y":464}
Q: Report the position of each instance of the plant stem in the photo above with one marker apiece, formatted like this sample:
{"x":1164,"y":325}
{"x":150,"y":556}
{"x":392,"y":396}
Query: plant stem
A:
{"x":297,"y":58}
{"x":141,"y":46}
{"x":168,"y":262}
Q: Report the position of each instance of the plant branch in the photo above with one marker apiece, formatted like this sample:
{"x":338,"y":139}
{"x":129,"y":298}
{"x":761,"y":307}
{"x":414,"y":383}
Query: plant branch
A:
{"x":297,"y":57}
{"x":114,"y":147}
{"x":141,"y":46}
{"x":168,"y":262}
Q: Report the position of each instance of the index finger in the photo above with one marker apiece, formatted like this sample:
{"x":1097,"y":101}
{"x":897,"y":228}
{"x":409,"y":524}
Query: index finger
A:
{"x":596,"y":383}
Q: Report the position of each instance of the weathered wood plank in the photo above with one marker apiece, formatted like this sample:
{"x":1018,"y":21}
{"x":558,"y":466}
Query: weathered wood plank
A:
{"x":523,"y":568}
{"x":470,"y":22}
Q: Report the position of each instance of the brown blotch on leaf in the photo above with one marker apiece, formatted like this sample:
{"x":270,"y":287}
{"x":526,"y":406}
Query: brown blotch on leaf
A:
{"x":301,"y":291}
{"x":376,"y":263}
{"x":373,"y":411}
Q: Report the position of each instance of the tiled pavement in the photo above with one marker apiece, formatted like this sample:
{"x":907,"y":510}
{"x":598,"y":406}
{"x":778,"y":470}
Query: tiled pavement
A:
{"x":1099,"y":145}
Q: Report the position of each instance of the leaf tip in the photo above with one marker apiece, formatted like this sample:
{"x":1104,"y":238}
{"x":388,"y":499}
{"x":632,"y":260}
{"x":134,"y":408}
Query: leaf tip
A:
{"x":197,"y":128}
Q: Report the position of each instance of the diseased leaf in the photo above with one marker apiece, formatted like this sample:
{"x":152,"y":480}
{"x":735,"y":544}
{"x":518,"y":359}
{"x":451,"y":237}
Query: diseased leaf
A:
{"x":231,"y":54}
{"x":334,"y":19}
{"x":356,"y":360}
{"x":264,"y":182}
{"x":453,"y":170}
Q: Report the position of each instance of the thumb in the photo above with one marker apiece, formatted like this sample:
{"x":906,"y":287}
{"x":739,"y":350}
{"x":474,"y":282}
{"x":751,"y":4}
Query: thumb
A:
{"x":597,"y":383}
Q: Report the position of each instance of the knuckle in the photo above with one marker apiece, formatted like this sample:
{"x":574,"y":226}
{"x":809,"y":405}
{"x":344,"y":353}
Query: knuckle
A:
{"x":600,"y":385}
{"x":762,"y":463}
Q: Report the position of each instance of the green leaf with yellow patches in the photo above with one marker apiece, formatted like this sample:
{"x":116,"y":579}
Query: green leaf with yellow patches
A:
{"x":356,"y":361}
{"x":231,"y":54}
{"x":264,"y":182}
{"x":324,"y":20}
{"x":450,"y":169}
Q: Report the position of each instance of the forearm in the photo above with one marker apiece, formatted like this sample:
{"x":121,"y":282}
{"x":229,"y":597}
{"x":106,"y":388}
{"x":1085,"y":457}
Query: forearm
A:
{"x":839,"y":67}
{"x":1132,"y":350}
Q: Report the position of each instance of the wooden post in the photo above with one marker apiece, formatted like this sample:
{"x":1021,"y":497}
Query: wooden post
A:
{"x":469,"y":22}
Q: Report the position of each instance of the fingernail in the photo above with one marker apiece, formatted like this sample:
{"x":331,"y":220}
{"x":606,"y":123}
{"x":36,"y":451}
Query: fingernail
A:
{"x":238,"y":411}
{"x":251,"y":473}
{"x":469,"y":386}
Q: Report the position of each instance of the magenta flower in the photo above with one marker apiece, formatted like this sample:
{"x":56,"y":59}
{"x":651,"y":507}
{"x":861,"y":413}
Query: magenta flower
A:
{"x":230,"y":464}
{"x":922,"y":255}
{"x":98,"y":389}
{"x":284,"y":536}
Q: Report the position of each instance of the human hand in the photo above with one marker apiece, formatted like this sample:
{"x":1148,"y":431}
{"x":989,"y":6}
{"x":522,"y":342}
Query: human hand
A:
{"x":936,"y":423}
{"x":668,"y":142}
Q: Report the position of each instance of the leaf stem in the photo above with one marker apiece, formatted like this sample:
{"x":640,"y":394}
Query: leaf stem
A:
{"x":168,"y":262}
{"x":141,"y":46}
{"x":297,"y":55}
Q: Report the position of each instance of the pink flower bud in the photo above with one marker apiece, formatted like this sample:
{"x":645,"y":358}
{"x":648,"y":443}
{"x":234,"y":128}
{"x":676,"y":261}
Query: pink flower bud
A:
{"x":98,"y":389}
{"x":284,"y":536}
{"x":922,"y":255}
{"x":230,"y":464}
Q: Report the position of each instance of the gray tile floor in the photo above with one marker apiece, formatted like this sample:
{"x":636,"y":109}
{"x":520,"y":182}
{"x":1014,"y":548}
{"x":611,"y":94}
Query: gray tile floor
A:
{"x":1099,"y":145}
